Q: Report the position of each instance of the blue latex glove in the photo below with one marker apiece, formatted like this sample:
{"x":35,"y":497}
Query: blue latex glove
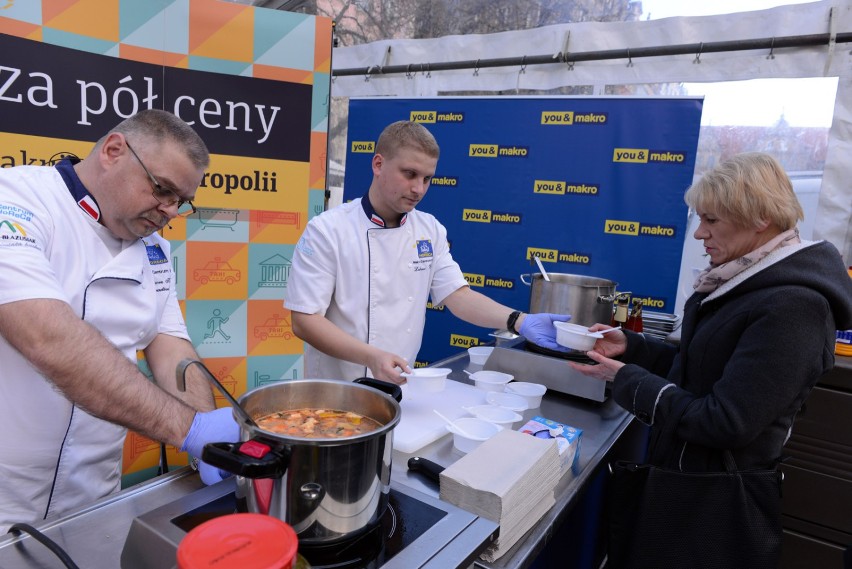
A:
{"x":211,"y":427}
{"x":538,"y":328}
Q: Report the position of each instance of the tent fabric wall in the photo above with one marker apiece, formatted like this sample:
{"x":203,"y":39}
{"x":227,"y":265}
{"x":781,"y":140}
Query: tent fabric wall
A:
{"x":834,"y":214}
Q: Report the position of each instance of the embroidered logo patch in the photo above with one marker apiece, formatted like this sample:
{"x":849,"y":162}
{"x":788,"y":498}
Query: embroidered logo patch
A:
{"x":13,"y":227}
{"x":16,"y":212}
{"x":90,"y":206}
{"x":424,"y":248}
{"x":305,"y":248}
{"x":14,"y":234}
{"x":156,"y":255}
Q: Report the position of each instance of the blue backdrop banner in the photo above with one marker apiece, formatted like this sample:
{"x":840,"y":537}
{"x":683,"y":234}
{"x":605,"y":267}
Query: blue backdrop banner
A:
{"x":592,"y":186}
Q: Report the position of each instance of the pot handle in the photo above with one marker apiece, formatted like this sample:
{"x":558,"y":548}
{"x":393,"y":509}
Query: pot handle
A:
{"x":384,"y":386}
{"x":526,"y":275}
{"x":252,"y":458}
{"x":426,"y":467}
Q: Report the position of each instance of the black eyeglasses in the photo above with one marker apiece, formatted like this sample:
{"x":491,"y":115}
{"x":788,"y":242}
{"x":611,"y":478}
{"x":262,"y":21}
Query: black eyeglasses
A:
{"x":162,"y":194}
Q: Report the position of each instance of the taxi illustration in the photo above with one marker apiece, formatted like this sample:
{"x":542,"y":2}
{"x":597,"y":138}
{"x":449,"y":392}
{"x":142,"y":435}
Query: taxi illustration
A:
{"x":216,"y":271}
{"x":274,"y":327}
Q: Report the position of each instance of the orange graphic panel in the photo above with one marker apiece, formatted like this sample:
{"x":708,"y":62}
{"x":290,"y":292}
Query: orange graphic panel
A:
{"x":213,"y":27}
{"x":20,"y":29}
{"x":319,"y":154}
{"x":322,"y":47}
{"x":153,"y":56}
{"x":92,"y":18}
{"x":139,"y":453}
{"x":216,"y":270}
{"x":283,"y":74}
{"x":231,"y":373}
{"x":270,"y":330}
{"x":175,"y":230}
{"x":276,"y":226}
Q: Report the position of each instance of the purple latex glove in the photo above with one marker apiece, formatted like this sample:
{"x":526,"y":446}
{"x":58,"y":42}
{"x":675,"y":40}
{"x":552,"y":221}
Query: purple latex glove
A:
{"x":211,"y":427}
{"x":538,"y":328}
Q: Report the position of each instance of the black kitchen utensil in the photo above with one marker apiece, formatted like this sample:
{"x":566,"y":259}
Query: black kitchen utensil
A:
{"x":425,"y":467}
{"x":181,"y":385}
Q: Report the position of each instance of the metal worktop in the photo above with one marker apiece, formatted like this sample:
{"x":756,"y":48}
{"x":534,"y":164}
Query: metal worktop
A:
{"x":94,"y":536}
{"x":602,"y":424}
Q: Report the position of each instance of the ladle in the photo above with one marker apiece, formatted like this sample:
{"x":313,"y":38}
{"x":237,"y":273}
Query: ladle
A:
{"x":181,"y":385}
{"x":541,"y":268}
{"x":453,"y":424}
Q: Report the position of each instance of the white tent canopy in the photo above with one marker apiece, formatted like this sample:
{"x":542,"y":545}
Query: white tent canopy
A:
{"x":830,"y":58}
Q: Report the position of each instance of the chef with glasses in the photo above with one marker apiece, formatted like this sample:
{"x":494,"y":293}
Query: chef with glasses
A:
{"x":85,"y":282}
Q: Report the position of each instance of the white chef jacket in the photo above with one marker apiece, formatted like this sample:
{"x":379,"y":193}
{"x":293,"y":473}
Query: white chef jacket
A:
{"x":54,"y":456}
{"x":372,"y":282}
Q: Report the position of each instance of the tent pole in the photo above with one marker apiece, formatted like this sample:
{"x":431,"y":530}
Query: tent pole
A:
{"x":626,"y":53}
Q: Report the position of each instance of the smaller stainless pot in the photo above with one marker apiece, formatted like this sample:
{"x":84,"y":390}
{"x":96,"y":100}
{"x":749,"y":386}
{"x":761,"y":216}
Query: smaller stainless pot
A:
{"x":587,"y":299}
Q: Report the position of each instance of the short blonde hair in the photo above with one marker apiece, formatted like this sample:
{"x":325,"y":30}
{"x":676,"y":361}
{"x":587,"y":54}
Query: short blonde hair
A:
{"x":747,"y":189}
{"x":402,"y":134}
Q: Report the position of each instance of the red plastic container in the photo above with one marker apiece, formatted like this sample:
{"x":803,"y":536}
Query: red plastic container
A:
{"x":239,"y":541}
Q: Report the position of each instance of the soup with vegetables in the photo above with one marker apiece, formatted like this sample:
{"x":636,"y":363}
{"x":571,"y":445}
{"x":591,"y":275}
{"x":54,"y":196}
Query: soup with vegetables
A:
{"x":317,"y":423}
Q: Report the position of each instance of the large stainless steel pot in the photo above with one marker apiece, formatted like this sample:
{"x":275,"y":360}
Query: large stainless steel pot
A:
{"x":328,"y":489}
{"x":587,"y":299}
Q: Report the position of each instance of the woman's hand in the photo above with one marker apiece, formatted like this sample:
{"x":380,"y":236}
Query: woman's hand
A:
{"x":612,"y":344}
{"x":606,"y":368}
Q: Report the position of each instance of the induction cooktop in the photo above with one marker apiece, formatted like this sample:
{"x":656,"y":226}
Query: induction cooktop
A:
{"x":417,"y":531}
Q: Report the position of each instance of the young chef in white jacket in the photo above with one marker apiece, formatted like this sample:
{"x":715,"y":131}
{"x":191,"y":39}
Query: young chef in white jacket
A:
{"x":363,"y":272}
{"x":85,"y":282}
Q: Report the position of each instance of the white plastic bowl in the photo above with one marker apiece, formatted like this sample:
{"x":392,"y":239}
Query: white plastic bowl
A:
{"x":502,"y":416}
{"x":532,"y":392}
{"x":491,"y":380}
{"x":575,"y":337}
{"x":479,"y":354}
{"x":508,"y":400}
{"x":479,"y":430}
{"x":428,"y":379}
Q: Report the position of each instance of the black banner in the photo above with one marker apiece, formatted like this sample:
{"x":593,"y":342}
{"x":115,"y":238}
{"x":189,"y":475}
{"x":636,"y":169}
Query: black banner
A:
{"x":52,"y":91}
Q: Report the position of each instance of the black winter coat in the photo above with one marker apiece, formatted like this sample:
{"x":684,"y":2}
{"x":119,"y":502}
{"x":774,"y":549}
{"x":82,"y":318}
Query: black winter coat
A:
{"x":749,"y":354}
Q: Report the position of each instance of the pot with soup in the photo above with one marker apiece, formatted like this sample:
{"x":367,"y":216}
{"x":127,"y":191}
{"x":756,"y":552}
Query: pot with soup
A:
{"x":320,"y":456}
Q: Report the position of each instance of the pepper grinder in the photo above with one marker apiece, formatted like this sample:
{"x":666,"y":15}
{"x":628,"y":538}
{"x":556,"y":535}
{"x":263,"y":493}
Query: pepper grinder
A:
{"x":620,"y":314}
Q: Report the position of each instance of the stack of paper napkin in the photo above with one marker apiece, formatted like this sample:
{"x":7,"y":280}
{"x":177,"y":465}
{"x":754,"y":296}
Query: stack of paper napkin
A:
{"x":508,"y":479}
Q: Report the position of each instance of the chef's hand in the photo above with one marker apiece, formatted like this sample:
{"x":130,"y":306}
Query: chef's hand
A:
{"x":211,"y":427}
{"x":612,"y":344}
{"x":387,"y":366}
{"x":606,"y":368}
{"x":538,"y":328}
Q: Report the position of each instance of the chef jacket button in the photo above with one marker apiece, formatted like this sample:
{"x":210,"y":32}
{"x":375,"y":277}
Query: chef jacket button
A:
{"x":410,"y":299}
{"x":141,"y":334}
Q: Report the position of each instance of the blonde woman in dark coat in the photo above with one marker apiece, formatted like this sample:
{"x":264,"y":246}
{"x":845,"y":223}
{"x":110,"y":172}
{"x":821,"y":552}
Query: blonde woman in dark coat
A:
{"x":757,"y":333}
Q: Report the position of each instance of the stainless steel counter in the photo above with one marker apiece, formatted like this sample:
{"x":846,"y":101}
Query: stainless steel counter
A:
{"x":602,"y":425}
{"x":94,"y":536}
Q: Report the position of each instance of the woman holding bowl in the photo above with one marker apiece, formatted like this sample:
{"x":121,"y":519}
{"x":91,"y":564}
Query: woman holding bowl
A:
{"x":757,"y":333}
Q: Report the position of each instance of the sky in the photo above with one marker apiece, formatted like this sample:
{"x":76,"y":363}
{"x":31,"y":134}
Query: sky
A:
{"x":803,"y":102}
{"x":657,"y":9}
